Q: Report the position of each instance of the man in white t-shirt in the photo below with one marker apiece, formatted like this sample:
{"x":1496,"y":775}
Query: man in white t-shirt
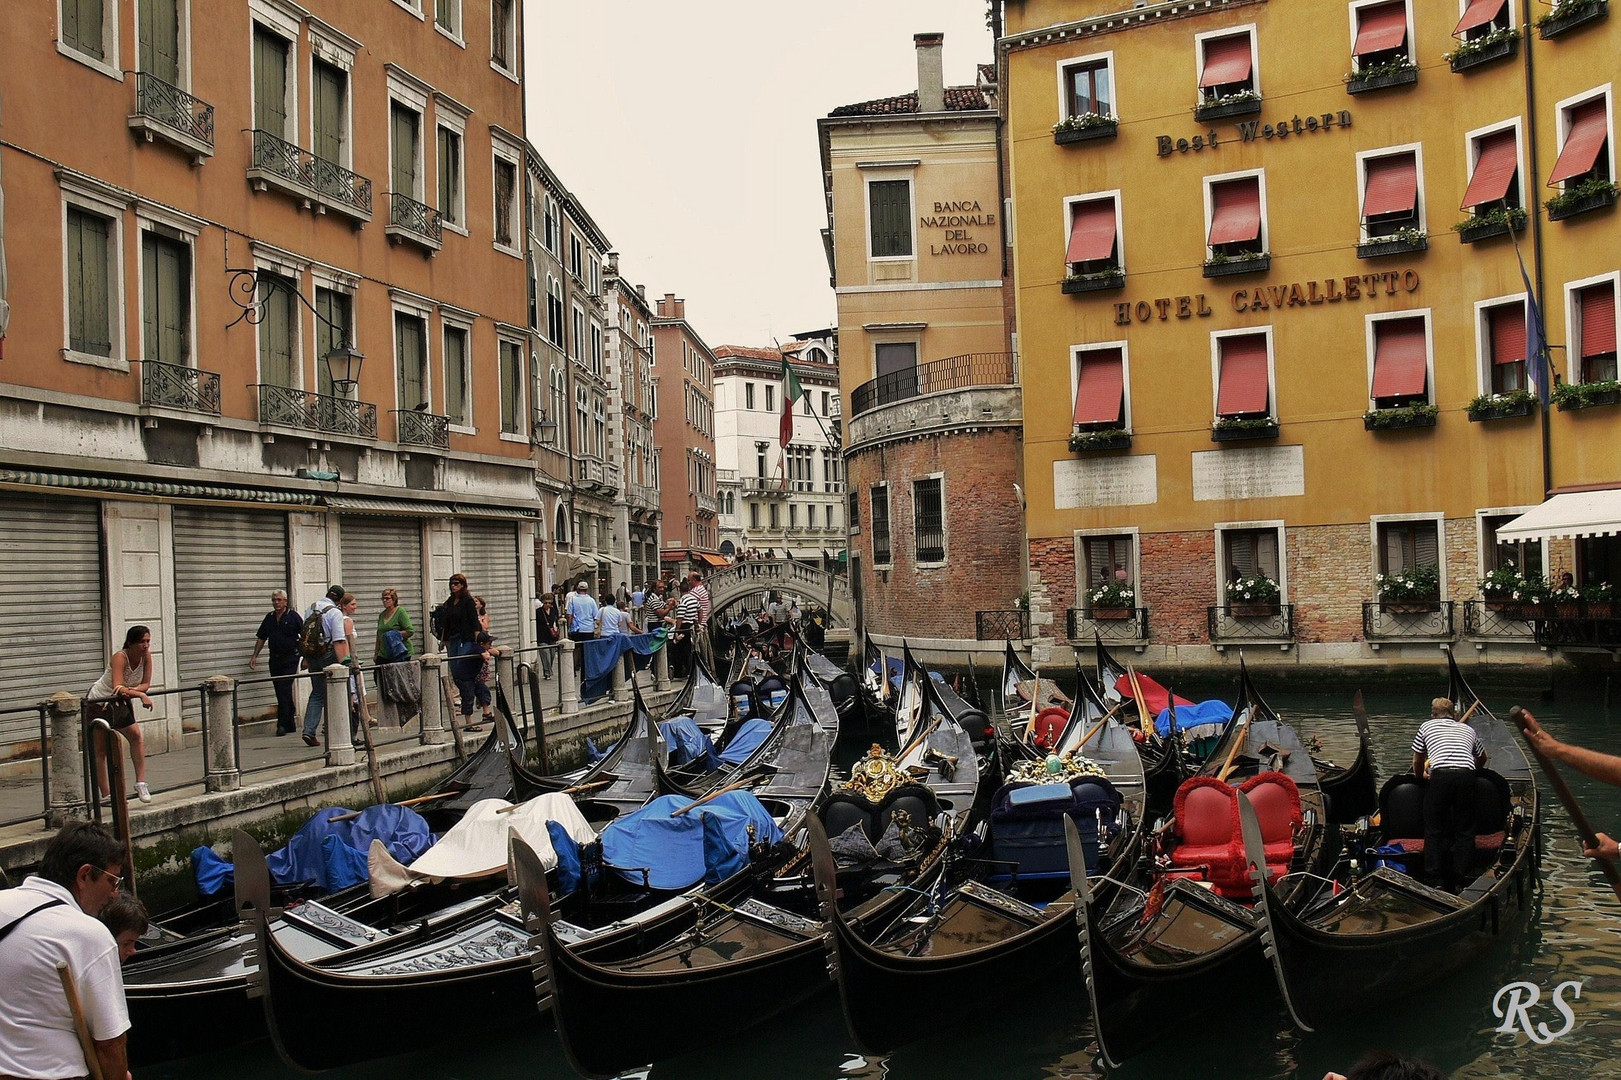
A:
{"x":49,"y":919}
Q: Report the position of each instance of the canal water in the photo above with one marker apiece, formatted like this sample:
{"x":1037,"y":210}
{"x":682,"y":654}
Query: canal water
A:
{"x":1574,"y":935}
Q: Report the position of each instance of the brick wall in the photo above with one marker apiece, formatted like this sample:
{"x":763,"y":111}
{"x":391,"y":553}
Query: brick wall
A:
{"x":984,"y":527}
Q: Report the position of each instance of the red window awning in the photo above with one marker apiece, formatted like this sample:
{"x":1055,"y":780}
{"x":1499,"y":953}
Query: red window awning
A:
{"x":1226,"y":60}
{"x":1380,"y":28}
{"x":1477,"y":14}
{"x":1100,"y":388}
{"x":1499,"y":160}
{"x":1598,"y":319}
{"x":1507,"y":325}
{"x":1589,"y":127}
{"x":1091,"y":234}
{"x":1392,"y":186}
{"x":1235,"y":211}
{"x":1398,"y":358}
{"x":1243,"y":381}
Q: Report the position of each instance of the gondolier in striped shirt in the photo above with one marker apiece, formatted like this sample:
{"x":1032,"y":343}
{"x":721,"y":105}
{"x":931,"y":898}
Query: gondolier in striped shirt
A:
{"x":1454,"y":753}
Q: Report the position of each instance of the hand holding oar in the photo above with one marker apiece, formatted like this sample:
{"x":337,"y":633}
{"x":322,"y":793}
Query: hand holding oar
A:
{"x":1602,"y":850}
{"x":81,"y":1027}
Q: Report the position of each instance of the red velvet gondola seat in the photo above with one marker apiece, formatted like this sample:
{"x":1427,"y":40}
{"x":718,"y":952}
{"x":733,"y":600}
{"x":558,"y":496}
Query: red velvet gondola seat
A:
{"x":1208,"y":842}
{"x":1276,"y":800}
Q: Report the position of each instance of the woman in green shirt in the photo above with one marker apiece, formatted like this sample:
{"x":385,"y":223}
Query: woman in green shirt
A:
{"x":393,"y":617}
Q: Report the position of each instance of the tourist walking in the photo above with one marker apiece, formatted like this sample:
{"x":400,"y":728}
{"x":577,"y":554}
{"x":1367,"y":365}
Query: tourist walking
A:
{"x":322,"y":644}
{"x":582,"y":614}
{"x":460,"y":628}
{"x":1605,"y":768}
{"x":548,"y":632}
{"x":616,"y":619}
{"x":1454,"y":752}
{"x":623,"y":592}
{"x":51,"y":919}
{"x":127,"y":679}
{"x":280,"y":630}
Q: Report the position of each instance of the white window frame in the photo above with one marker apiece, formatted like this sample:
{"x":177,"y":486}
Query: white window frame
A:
{"x":452,"y":115}
{"x":148,"y":216}
{"x":412,"y":93}
{"x":597,"y":338}
{"x":331,"y":278}
{"x":1088,"y":60}
{"x":945,"y":524}
{"x":451,"y":318}
{"x":1573,"y":319}
{"x":285,"y":264}
{"x":1438,"y":517}
{"x":1216,"y":338}
{"x":1483,"y":336}
{"x":516,"y":336}
{"x":413,"y":7}
{"x":1371,"y":342}
{"x":1247,"y":30}
{"x":889,"y":519}
{"x":1209,"y":206}
{"x":287,"y":24}
{"x":1480,"y":535}
{"x":457,"y":32}
{"x":94,"y":197}
{"x":111,"y":15}
{"x":1083,"y":599}
{"x":182,"y":37}
{"x":872,"y":176}
{"x":334,"y":47}
{"x":1071,"y":202}
{"x":1276,"y":524}
{"x":1362,"y":159}
{"x":553,"y":226}
{"x":1471,"y":153}
{"x":500,"y":150}
{"x":1075,"y":354}
{"x":576,"y":336}
{"x":418,"y":307}
{"x":1562,"y":112}
{"x":1407,"y":6}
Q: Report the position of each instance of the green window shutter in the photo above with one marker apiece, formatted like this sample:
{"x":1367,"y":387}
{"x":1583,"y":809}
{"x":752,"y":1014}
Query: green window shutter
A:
{"x":444,"y":13}
{"x":405,"y":150}
{"x":408,"y":350}
{"x":500,"y":27}
{"x":509,"y":387}
{"x":277,"y":332}
{"x":331,"y":330}
{"x":450,"y":175}
{"x":159,"y":33}
{"x":89,"y":316}
{"x":269,"y":82}
{"x":329,"y":87}
{"x":889,"y":217}
{"x":166,"y":305}
{"x":82,"y":26}
{"x":456,"y":375}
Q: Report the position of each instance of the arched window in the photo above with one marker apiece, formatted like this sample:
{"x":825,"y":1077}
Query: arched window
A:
{"x":560,"y":528}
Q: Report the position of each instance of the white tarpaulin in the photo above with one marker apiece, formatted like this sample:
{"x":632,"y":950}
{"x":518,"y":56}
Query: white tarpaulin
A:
{"x":1573,"y":514}
{"x":476,"y":846}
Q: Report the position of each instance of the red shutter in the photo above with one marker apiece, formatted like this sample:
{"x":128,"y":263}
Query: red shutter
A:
{"x":1100,"y":388}
{"x":1598,"y":319}
{"x":1243,"y":376}
{"x":1478,"y":13}
{"x":1091,"y":234}
{"x":1235,"y":211}
{"x":1392,"y":186}
{"x":1507,"y":325}
{"x":1589,"y":128}
{"x":1226,"y":60}
{"x":1494,"y":169}
{"x":1380,"y":28}
{"x":1398,"y":358}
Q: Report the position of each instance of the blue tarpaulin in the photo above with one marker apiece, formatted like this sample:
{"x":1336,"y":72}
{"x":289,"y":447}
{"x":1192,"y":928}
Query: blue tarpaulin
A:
{"x":679,"y":852}
{"x":689,"y":743}
{"x":745,"y":741}
{"x":330,"y":866}
{"x":601,"y":654}
{"x":1200,"y":721}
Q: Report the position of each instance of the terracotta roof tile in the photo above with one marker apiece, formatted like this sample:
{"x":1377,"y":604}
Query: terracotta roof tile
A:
{"x":958,"y":99}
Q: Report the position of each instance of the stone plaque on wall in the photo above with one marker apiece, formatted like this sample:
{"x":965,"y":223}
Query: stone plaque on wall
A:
{"x":1112,"y":481}
{"x":1250,"y":472}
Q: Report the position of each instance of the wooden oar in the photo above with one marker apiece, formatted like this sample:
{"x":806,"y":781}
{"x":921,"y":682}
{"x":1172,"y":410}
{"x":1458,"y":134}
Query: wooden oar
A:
{"x":1584,"y":828}
{"x":374,"y":768}
{"x":748,"y":782}
{"x":1143,"y":718}
{"x":81,"y":1027}
{"x":917,"y":740}
{"x":1035,"y":707}
{"x":1238,"y":741}
{"x":112,"y":752}
{"x":447,"y":690}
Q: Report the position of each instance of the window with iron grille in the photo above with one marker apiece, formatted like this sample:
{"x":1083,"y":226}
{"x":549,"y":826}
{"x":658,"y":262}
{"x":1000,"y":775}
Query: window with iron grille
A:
{"x":929,"y":519}
{"x":881,"y":555}
{"x":855,"y":509}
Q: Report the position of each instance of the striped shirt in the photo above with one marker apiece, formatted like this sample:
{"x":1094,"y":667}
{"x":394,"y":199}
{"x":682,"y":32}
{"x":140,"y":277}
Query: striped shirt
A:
{"x":1448,"y":744}
{"x":701,"y":591}
{"x":686,"y":610}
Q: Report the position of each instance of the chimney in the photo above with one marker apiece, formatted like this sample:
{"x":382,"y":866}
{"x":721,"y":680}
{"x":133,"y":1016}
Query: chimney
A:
{"x":671,"y":308}
{"x":931,"y":86}
{"x":613,"y":263}
{"x":641,"y":291}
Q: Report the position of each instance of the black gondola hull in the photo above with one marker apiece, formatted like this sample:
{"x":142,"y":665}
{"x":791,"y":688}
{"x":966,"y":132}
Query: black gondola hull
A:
{"x":169,"y":1026}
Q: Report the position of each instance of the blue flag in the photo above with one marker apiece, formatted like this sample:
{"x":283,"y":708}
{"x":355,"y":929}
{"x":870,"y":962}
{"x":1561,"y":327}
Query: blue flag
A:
{"x":1536,"y":339}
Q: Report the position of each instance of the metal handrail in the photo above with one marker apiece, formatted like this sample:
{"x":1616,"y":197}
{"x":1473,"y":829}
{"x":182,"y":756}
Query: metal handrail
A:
{"x":417,"y":218}
{"x":422,"y":428}
{"x":290,"y":407}
{"x":1007,"y":624}
{"x":175,"y":386}
{"x":326,"y":181}
{"x":174,"y":108}
{"x":40,"y":712}
{"x":1277,"y":623}
{"x":91,"y":796}
{"x":951,"y":373}
{"x":1082,"y":624}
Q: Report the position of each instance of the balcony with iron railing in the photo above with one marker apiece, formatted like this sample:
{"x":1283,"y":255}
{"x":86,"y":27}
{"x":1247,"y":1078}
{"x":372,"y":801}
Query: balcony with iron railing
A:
{"x":1400,"y":621}
{"x":1124,"y":626}
{"x":169,"y":113}
{"x":1011,"y":624}
{"x":414,"y":428}
{"x":414,"y":221}
{"x":174,"y":386}
{"x":952,"y":373}
{"x":1494,"y":620}
{"x":1254,"y":624}
{"x":303,"y":410}
{"x":319,"y":183}
{"x":774,"y":487}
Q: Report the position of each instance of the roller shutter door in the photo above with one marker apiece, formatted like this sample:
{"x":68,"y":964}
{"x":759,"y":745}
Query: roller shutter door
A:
{"x":50,"y":604}
{"x":382,"y":553}
{"x":226,"y":565}
{"x":490,"y":561}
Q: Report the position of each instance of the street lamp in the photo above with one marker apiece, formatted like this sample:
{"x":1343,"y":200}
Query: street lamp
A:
{"x":343,"y":368}
{"x":545,"y":427}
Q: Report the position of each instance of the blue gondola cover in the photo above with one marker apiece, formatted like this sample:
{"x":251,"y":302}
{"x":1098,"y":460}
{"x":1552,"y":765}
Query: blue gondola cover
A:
{"x":307,"y":858}
{"x":745,"y":741}
{"x":1207,"y":719}
{"x":689,"y":743}
{"x":679,"y":852}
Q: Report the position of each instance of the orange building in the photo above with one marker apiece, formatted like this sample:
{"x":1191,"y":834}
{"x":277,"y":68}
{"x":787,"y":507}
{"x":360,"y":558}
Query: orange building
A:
{"x":684,"y":427}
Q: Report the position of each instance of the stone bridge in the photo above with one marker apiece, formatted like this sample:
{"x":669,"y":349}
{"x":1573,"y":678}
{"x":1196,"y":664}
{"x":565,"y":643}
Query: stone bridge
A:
{"x":754,"y":578}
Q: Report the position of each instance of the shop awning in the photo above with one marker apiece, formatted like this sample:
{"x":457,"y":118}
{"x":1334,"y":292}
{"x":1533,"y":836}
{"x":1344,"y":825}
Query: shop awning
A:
{"x":1243,"y":376}
{"x":155,"y":488}
{"x":1589,"y":128}
{"x":1494,"y":169}
{"x":1380,"y":28}
{"x":806,"y":553}
{"x":359,"y":504}
{"x":1572,"y":514}
{"x":1478,"y":14}
{"x":513,"y":513}
{"x":1392,"y":186}
{"x":1235,"y":211}
{"x":1099,"y":388}
{"x":672,"y":556}
{"x":712,"y":560}
{"x":1507,"y":324}
{"x":1399,"y":368}
{"x":1091,"y":234}
{"x":584,"y":560}
{"x":1226,"y":61}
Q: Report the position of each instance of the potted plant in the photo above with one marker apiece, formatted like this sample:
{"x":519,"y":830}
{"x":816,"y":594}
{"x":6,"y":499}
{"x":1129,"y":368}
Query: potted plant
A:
{"x":1419,"y":414}
{"x":1378,"y":76}
{"x":1241,"y":103}
{"x":1253,"y":596}
{"x":1487,"y":47}
{"x":1401,"y":242}
{"x":1501,"y":406}
{"x":1222,"y":264}
{"x":1569,"y":14}
{"x":1600,"y":600}
{"x":1098,"y":281}
{"x":1113,"y":601}
{"x":1506,"y":587}
{"x":1569,"y":396}
{"x":1566,"y":601}
{"x":1242,"y":428}
{"x":1410,"y":591}
{"x":1085,"y":126}
{"x":1591,"y":194}
{"x":1498,"y":221}
{"x":1108,"y":439}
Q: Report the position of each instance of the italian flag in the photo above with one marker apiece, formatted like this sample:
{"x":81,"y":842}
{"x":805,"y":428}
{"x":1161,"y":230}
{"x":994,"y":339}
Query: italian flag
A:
{"x":791,"y":392}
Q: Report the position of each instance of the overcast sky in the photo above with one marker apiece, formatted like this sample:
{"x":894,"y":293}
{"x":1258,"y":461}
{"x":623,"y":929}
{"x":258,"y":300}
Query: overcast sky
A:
{"x":688,"y":131}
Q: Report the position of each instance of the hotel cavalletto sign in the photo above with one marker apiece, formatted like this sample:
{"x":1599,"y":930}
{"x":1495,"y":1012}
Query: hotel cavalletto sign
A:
{"x":1352,"y":288}
{"x":954,"y":223}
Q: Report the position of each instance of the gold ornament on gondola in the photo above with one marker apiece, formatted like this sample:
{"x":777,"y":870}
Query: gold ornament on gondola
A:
{"x":1071,"y":766}
{"x":876,"y":775}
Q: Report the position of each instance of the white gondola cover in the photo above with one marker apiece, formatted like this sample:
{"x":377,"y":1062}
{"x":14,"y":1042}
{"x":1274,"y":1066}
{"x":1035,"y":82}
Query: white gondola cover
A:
{"x":476,"y":846}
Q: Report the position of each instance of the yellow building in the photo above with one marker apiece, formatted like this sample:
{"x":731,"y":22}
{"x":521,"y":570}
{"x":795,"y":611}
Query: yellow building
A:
{"x":1260,"y":338}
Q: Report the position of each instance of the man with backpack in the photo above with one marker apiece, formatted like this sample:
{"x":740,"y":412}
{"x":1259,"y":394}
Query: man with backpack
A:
{"x":322,"y":644}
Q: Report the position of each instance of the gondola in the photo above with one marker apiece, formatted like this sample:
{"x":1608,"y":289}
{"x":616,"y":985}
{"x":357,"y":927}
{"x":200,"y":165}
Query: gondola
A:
{"x":1178,"y":937}
{"x":752,"y":947}
{"x":1380,"y":932}
{"x":1352,"y":790}
{"x":877,"y":691}
{"x":983,"y":939}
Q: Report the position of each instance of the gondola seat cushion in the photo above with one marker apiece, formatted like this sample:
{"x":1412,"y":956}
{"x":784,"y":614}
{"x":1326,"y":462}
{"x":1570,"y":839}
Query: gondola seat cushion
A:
{"x":678,"y":851}
{"x":1206,"y":812}
{"x":1027,"y":822}
{"x":917,"y":800}
{"x":1402,"y":808}
{"x":842,"y":810}
{"x":1049,"y":725}
{"x":1276,"y":800}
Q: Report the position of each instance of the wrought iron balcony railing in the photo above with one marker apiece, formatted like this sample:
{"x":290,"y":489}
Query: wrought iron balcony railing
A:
{"x":172,"y":386}
{"x":415,"y":221}
{"x":1427,"y":620}
{"x":1264,"y":623}
{"x":422,"y":429}
{"x":314,"y":179}
{"x":952,"y":373}
{"x":1497,"y":621}
{"x":1128,"y":625}
{"x":1011,"y":624}
{"x":307,"y":411}
{"x":774,"y":486}
{"x":171,"y":113}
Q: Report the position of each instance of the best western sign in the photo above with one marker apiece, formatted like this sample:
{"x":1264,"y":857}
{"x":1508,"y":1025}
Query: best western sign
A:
{"x":1255,"y":130}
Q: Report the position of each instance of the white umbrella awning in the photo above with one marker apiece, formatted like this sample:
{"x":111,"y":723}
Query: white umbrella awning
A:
{"x":1572,"y":514}
{"x":585,"y":560}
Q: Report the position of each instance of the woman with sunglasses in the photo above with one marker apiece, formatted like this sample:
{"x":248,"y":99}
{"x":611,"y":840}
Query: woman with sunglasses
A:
{"x":460,"y":625}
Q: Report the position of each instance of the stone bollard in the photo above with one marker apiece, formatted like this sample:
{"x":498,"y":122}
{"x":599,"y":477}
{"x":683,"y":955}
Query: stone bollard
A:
{"x":566,"y":674}
{"x":617,"y":683}
{"x":661,"y":669}
{"x":506,"y":675}
{"x":340,"y":749}
{"x":224,"y":773}
{"x":67,"y":761}
{"x":433,"y":701}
